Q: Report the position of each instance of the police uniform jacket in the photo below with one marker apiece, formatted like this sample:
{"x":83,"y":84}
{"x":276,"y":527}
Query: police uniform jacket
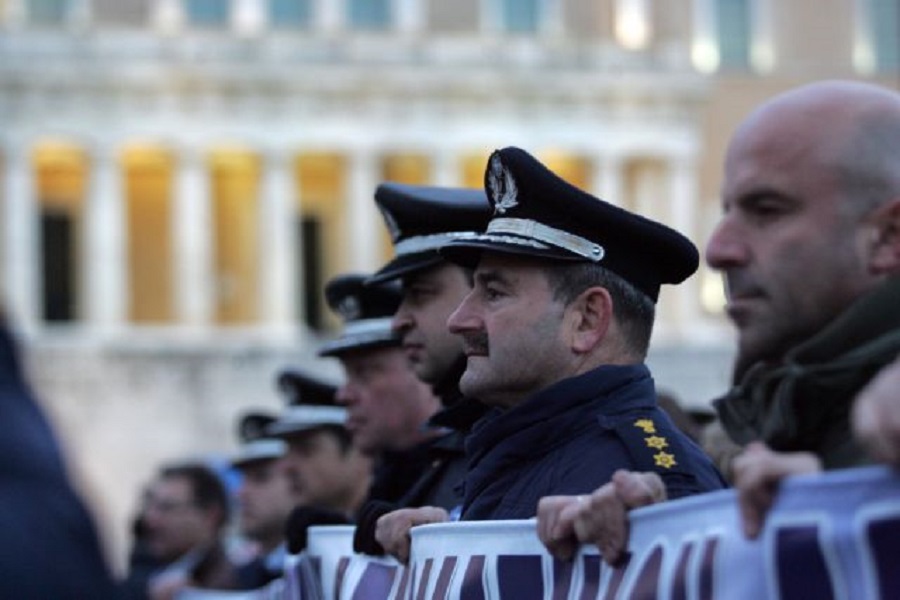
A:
{"x":571,"y":437}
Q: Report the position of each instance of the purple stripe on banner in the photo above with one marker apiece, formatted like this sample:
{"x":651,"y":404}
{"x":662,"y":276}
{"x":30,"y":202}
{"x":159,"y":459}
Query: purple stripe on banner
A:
{"x":520,"y":576}
{"x":473,"y":582}
{"x":647,"y":580}
{"x":802,"y":571}
{"x":707,"y":569}
{"x":615,"y":581}
{"x":375,"y":583}
{"x":423,"y":581}
{"x":679,"y":582}
{"x":405,"y":576}
{"x":339,"y":573}
{"x":443,"y":580}
{"x":884,"y":539}
{"x":562,"y":578}
{"x":591,"y":577}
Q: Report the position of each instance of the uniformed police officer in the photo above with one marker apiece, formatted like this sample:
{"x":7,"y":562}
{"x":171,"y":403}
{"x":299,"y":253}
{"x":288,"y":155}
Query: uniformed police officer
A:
{"x":556,"y":330}
{"x":387,"y":405}
{"x":264,"y":499}
{"x":420,"y":220}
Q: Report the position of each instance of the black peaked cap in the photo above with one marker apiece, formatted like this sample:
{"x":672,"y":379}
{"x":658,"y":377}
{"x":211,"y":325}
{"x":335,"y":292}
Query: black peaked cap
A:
{"x":298,"y":387}
{"x":421,"y":219}
{"x":366,"y":311}
{"x":536,"y":213}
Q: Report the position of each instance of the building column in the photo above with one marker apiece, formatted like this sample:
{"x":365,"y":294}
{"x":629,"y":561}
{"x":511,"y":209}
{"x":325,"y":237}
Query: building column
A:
{"x":683,"y":189}
{"x":80,"y":15}
{"x":328,"y":16}
{"x":278,"y":248}
{"x":168,"y":16}
{"x":410,"y":16}
{"x":193,"y":227}
{"x":21,"y":237}
{"x":445,"y":168}
{"x":249,"y":18}
{"x":608,"y":179}
{"x":12,"y":14}
{"x":364,"y":221}
{"x":104,"y":292}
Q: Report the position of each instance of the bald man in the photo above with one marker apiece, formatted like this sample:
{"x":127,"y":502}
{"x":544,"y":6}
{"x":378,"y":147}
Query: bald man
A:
{"x":809,"y":247}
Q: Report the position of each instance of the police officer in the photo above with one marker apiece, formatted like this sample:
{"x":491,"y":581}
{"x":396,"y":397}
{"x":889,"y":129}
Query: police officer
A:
{"x":329,"y":475}
{"x":264,"y":499}
{"x":420,"y":220}
{"x":387,"y":405}
{"x":556,"y":330}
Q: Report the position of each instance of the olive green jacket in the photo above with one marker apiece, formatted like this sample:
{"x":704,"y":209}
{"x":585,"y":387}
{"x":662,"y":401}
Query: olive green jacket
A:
{"x":804,"y":402}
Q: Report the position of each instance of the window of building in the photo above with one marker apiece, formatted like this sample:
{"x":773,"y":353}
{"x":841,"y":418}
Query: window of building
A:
{"x":322,"y":200}
{"x":289,"y":13}
{"x":369,"y":14}
{"x":883,"y":24}
{"x":733,"y":28}
{"x":61,"y":174}
{"x":207,"y":13}
{"x":51,"y":13}
{"x":520,"y":16}
{"x":733,"y":35}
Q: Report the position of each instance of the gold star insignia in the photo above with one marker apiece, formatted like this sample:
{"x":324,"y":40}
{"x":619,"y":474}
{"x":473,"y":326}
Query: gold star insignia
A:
{"x":656,"y":442}
{"x":645,"y":424}
{"x":664,"y":460}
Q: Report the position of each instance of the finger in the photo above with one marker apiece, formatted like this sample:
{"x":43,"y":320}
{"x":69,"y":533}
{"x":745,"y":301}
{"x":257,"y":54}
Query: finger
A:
{"x":639,"y":489}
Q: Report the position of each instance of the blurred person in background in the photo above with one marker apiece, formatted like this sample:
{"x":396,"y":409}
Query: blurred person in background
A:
{"x":264,"y":500}
{"x":329,"y":475}
{"x":49,"y":546}
{"x":185,"y":511}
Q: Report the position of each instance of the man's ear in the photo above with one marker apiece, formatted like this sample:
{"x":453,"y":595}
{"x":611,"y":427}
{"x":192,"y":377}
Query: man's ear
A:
{"x":885,"y":258}
{"x":592,"y":314}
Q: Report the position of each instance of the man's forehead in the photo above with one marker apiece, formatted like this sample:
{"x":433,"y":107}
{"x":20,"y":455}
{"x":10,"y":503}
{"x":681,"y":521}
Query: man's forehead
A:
{"x":169,"y":486}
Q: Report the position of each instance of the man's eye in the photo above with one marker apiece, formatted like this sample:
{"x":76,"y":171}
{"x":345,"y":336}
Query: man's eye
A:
{"x":492,"y":294}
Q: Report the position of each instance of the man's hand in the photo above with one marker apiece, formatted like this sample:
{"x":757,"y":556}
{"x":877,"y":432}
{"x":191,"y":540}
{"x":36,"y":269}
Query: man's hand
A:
{"x":757,"y":474}
{"x":392,"y":529}
{"x":565,"y":522}
{"x":876,"y":416}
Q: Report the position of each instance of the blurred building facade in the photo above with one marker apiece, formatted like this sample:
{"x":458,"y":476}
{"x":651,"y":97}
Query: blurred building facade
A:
{"x":180,"y":177}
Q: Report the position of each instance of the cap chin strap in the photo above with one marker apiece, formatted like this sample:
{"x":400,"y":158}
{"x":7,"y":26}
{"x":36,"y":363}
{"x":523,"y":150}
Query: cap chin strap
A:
{"x":550,"y":235}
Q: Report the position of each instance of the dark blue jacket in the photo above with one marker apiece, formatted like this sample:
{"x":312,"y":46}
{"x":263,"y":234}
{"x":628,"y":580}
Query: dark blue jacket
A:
{"x":48,"y":545}
{"x":571,"y":437}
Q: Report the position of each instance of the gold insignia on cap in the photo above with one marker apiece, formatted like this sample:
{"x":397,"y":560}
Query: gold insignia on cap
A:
{"x":646,"y":425}
{"x":664,"y":460}
{"x":656,"y":442}
{"x":503,"y":187}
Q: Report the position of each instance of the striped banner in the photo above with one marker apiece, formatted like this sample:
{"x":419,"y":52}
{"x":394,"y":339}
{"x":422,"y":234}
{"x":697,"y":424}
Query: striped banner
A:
{"x":832,"y":536}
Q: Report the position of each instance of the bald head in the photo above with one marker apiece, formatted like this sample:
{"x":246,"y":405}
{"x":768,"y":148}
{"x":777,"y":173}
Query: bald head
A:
{"x":850,"y":129}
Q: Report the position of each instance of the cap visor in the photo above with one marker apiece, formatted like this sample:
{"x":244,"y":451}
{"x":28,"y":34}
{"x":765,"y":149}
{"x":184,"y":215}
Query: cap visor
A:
{"x":467,"y":253}
{"x":404,"y":265}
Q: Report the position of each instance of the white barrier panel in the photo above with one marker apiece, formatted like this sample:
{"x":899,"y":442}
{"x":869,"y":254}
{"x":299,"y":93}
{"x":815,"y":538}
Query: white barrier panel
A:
{"x":831,"y":536}
{"x":343,"y":574}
